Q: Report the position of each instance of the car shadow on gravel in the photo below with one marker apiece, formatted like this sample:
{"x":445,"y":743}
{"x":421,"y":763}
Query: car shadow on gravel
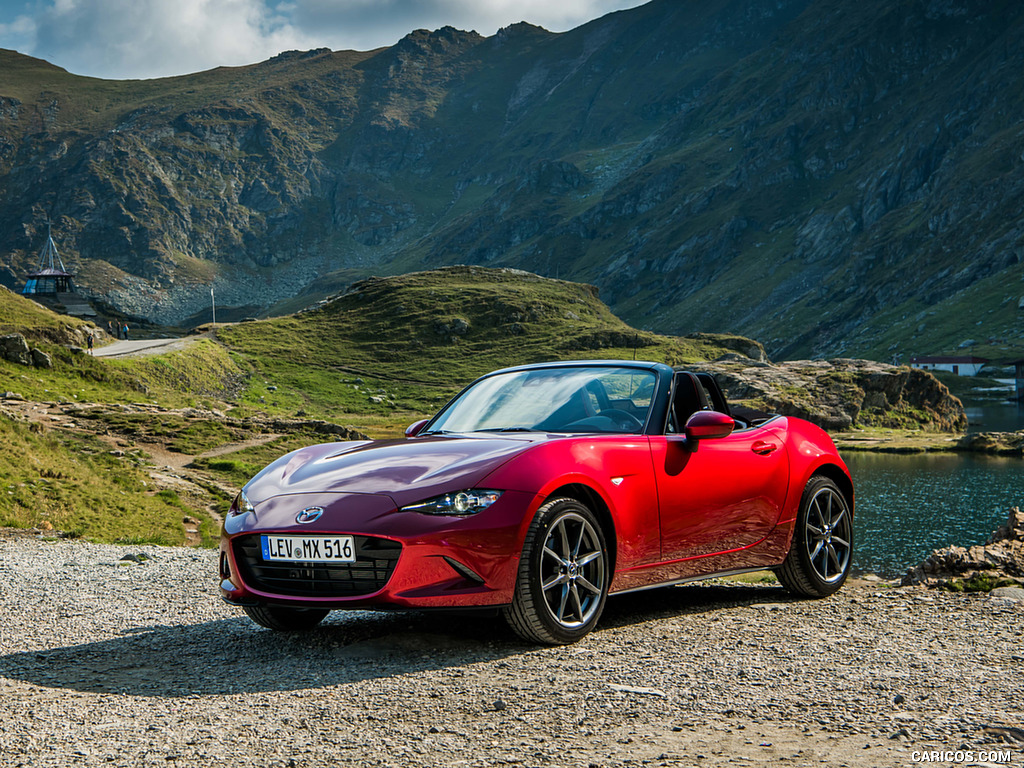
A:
{"x":233,"y":656}
{"x":694,"y":598}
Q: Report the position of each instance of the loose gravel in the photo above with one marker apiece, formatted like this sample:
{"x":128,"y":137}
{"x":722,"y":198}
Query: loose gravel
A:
{"x":111,"y":662}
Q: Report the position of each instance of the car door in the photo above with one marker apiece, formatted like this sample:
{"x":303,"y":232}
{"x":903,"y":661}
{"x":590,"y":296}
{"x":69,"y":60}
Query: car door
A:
{"x":718,"y":494}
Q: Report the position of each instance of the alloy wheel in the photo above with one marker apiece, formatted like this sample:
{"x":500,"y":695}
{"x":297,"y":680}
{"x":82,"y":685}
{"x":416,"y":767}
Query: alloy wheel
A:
{"x":828,"y":535}
{"x":572,"y":570}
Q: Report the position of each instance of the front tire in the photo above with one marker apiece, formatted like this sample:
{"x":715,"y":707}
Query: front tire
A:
{"x":822,"y":549}
{"x":563,"y":576}
{"x":284,"y":619}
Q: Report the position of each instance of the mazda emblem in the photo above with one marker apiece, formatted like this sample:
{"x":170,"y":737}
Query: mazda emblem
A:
{"x":309,"y":515}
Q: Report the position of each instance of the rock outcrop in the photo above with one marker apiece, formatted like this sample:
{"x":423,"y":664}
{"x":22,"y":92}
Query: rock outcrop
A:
{"x":996,"y":563}
{"x":15,"y":349}
{"x":840,"y":394}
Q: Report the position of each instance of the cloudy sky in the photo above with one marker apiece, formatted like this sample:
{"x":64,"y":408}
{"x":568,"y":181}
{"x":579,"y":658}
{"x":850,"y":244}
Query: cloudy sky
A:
{"x":156,"y":38}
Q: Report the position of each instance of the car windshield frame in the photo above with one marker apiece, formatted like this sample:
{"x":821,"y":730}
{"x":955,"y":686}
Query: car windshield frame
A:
{"x":570,"y":399}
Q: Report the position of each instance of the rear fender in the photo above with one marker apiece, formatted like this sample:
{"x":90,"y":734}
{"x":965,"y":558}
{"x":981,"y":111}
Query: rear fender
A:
{"x":812,"y":452}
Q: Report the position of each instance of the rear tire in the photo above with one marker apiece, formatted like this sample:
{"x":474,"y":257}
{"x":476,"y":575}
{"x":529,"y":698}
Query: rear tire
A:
{"x":563,"y":576}
{"x":284,"y":619}
{"x":822,"y":548}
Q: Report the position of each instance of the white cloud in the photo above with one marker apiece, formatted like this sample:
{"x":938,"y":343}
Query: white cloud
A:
{"x":153,"y":38}
{"x":18,"y":34}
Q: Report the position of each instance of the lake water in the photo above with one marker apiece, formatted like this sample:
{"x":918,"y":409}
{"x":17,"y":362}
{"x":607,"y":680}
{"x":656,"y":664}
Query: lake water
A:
{"x":909,"y":505}
{"x":995,"y":417}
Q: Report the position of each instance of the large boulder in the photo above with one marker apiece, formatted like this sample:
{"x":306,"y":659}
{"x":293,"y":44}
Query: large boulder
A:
{"x":41,"y":359}
{"x":15,"y":349}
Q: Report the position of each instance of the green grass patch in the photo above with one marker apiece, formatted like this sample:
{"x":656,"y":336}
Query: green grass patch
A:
{"x":201,"y":375}
{"x":76,"y":484}
{"x":203,"y":370}
{"x":985,"y":581}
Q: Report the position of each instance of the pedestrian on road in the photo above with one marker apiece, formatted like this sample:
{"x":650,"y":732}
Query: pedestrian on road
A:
{"x":89,"y":342}
{"x":126,"y":331}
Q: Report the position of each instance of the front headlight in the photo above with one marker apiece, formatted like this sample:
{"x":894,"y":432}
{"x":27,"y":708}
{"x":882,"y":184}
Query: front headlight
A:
{"x":459,"y":503}
{"x":241,"y":505}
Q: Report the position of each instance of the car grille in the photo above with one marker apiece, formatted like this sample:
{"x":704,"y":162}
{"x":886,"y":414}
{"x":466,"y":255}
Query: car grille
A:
{"x":374,"y":564}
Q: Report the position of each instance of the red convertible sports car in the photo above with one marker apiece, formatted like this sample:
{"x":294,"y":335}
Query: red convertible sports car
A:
{"x":540,"y":490}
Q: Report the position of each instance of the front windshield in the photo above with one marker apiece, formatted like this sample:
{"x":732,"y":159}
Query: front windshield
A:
{"x":570,"y":399}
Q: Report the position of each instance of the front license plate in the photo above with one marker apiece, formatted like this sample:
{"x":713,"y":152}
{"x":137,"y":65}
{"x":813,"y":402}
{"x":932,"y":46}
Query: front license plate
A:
{"x":308,"y":549}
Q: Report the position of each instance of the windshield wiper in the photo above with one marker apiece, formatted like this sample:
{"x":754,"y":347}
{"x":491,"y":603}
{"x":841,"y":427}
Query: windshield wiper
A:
{"x":507,"y":429}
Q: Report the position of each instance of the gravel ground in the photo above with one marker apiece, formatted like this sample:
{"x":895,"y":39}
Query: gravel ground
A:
{"x":111,"y":663}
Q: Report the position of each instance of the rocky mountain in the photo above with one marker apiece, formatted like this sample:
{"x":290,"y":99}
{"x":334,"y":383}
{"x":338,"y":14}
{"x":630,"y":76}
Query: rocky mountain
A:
{"x":833,"y":179}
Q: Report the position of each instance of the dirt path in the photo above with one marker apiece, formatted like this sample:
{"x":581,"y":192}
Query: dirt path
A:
{"x":171,"y":469}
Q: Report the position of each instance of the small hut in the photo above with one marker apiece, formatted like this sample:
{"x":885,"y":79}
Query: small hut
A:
{"x":50,"y":277}
{"x":51,"y":283}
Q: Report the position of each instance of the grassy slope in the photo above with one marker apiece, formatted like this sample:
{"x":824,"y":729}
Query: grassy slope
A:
{"x":76,"y":484}
{"x":21,"y":315}
{"x":76,"y":481}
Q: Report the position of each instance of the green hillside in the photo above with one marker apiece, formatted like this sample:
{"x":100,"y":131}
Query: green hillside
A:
{"x":21,"y":315}
{"x":74,"y":483}
{"x":397,"y":348}
{"x":70,"y":458}
{"x":835,"y":182}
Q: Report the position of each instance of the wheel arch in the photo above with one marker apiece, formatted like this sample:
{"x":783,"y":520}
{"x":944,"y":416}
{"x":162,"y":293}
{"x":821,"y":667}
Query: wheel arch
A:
{"x":835,"y":473}
{"x":593,"y":500}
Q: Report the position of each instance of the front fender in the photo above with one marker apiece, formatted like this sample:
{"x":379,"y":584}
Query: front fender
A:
{"x":617,"y":468}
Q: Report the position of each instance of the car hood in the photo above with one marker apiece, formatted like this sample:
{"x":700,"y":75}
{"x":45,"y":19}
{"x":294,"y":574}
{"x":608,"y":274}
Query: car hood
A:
{"x":407,"y":470}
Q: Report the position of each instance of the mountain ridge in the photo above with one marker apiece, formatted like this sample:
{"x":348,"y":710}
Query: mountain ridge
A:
{"x":837,"y":183}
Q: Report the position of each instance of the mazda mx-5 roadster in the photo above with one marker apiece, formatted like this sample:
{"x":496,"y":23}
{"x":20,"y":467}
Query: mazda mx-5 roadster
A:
{"x":539,"y":491}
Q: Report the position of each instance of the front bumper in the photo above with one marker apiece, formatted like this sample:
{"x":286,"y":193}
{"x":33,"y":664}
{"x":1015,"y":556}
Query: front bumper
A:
{"x":403,"y":559}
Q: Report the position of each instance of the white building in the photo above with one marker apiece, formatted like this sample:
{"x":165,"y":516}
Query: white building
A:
{"x":961,"y":366}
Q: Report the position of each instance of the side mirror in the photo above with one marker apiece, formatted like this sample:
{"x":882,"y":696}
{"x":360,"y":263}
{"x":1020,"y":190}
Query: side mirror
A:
{"x":414,"y":429}
{"x":708,"y":425}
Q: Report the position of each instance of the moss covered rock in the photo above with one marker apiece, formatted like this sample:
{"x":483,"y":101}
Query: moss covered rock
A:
{"x":842,"y":393}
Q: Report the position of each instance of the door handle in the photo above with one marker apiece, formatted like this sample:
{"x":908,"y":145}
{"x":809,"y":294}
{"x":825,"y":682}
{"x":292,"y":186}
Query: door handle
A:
{"x":762,"y":448}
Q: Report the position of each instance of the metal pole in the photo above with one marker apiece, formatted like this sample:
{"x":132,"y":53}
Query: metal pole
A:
{"x":213,"y":304}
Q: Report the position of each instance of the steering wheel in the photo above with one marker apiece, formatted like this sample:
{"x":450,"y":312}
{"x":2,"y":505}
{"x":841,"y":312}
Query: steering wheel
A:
{"x":622,"y":419}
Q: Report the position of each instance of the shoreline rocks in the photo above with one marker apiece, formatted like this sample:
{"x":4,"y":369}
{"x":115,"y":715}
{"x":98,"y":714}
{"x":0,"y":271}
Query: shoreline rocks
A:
{"x":997,"y":563}
{"x":998,"y":443}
